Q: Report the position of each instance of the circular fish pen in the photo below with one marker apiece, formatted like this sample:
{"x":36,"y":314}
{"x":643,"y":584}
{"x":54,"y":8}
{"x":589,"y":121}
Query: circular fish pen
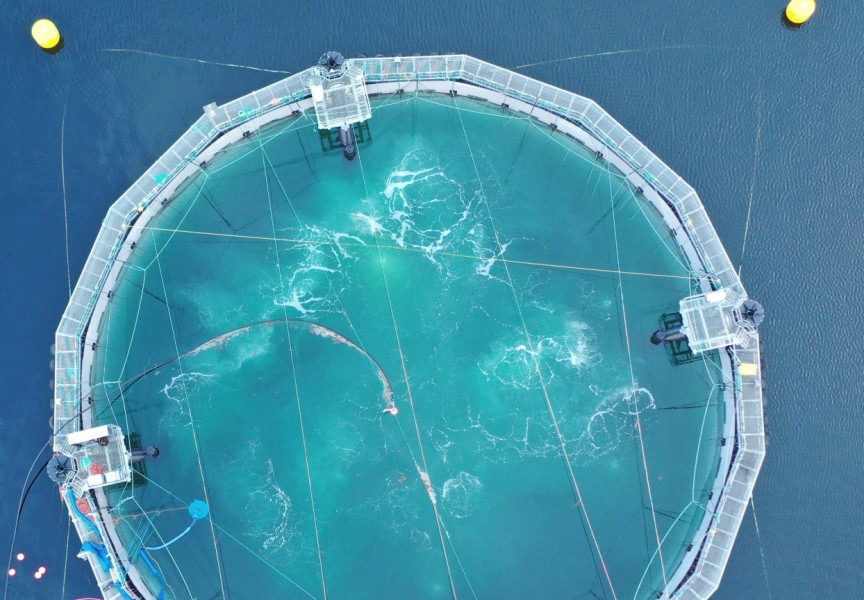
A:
{"x":384,"y":329}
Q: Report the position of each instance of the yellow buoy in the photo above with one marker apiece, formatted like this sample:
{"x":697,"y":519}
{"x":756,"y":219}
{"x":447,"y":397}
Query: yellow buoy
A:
{"x":46,"y":34}
{"x":799,"y":11}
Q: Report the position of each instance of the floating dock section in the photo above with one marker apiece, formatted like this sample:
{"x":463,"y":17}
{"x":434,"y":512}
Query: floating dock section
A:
{"x":741,"y":459}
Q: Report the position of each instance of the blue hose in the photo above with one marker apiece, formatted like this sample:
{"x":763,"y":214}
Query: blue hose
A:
{"x":123,"y":592}
{"x":82,"y":516}
{"x":99,"y":549}
{"x":171,"y":541}
{"x":198,"y":510}
{"x":156,"y":572}
{"x":100,"y":552}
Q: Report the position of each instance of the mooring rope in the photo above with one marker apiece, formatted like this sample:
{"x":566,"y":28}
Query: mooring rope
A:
{"x":194,"y":432}
{"x":424,"y":473}
{"x":294,"y":377}
{"x":198,"y":60}
{"x":472,"y":257}
{"x":610,"y":53}
{"x":533,"y":353}
{"x":636,"y":409}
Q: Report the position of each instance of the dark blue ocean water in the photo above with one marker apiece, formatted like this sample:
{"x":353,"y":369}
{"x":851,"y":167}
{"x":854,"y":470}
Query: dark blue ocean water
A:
{"x":708,"y":83}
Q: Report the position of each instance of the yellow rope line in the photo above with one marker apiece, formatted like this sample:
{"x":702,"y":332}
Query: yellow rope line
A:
{"x":510,"y":261}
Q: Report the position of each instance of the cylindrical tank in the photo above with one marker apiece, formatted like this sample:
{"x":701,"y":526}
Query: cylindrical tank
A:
{"x":673,"y":334}
{"x":349,"y":143}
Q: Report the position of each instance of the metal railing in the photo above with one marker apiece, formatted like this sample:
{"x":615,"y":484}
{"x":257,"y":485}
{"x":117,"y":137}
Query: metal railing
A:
{"x":90,"y":288}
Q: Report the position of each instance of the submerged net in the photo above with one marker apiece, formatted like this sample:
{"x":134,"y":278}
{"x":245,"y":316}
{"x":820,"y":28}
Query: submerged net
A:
{"x":423,"y":373}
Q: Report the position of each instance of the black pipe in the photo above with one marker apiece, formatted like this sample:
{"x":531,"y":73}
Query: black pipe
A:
{"x":349,"y":144}
{"x":672,"y":334}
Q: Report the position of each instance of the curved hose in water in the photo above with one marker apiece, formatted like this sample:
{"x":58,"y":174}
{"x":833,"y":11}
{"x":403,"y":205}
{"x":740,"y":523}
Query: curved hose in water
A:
{"x":312,"y":327}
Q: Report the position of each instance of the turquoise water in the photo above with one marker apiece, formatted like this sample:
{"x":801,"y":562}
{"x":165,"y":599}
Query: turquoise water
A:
{"x":292,"y":298}
{"x":744,"y":109}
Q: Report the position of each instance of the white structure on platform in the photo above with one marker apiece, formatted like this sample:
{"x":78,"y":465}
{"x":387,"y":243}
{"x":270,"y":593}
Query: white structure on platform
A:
{"x":100,"y":456}
{"x":338,"y":93}
{"x":714,"y":320}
